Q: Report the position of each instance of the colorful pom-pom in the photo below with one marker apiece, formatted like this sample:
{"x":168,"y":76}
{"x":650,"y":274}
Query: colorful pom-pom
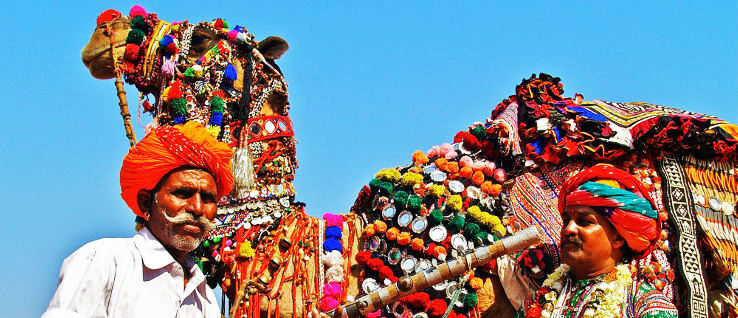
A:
{"x":436,"y":217}
{"x":414,"y":203}
{"x":369,"y":231}
{"x":466,"y":161}
{"x":403,"y":238}
{"x":417,"y":244}
{"x":328,"y":304}
{"x":471,"y":229}
{"x":392,"y":233}
{"x":436,"y":190}
{"x":334,"y":232}
{"x":137,"y":10}
{"x":380,"y":226}
{"x":454,"y":202}
{"x":466,"y":172}
{"x":470,"y":300}
{"x":476,"y":283}
{"x":333,"y":220}
{"x":332,"y":244}
{"x":374,"y":264}
{"x":135,"y":36}
{"x":456,"y":223}
{"x":492,"y":189}
{"x":131,"y":52}
{"x":138,"y":22}
{"x":332,"y":289}
{"x":401,"y":198}
{"x":382,"y":187}
{"x":418,"y":301}
{"x":107,"y":16}
{"x":437,"y":307}
{"x":410,"y":179}
{"x":420,"y":158}
{"x":362,"y":257}
{"x":232,"y":35}
{"x":179,"y":106}
{"x":478,"y":178}
{"x":385,"y":272}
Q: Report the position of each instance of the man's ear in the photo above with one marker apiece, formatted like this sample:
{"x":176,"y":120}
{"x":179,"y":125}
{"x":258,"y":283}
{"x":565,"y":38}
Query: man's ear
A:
{"x":143,"y":199}
{"x":618,"y":242}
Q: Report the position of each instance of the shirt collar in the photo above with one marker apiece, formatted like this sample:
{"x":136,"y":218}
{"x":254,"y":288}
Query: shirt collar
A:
{"x":153,"y":254}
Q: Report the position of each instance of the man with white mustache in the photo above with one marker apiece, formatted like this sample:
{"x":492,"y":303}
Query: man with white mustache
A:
{"x":172,"y":181}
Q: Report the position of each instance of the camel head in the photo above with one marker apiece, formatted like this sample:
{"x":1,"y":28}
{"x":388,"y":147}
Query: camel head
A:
{"x":211,"y":73}
{"x":97,"y":55}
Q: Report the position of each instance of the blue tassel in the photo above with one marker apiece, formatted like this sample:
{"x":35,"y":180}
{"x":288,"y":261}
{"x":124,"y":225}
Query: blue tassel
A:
{"x":333,"y":232}
{"x":230,"y":72}
{"x":216,"y":119}
{"x":166,"y":40}
{"x":179,"y":119}
{"x":332,"y":244}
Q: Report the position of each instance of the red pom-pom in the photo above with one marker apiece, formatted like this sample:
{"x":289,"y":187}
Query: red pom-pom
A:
{"x":171,"y":48}
{"x":218,"y":24}
{"x":428,"y":252}
{"x":385,"y":272}
{"x":147,"y":106}
{"x":174,"y":91}
{"x":437,"y":308}
{"x":128,"y":67}
{"x":374,"y":264}
{"x":418,"y":301}
{"x":131,"y":53}
{"x":363,"y":256}
{"x":107,"y":16}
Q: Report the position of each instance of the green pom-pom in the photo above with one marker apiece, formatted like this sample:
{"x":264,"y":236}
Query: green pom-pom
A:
{"x":216,"y":239}
{"x":189,"y":72}
{"x":484,"y":236}
{"x":436,"y":217}
{"x":470,"y":300}
{"x":401,"y":198}
{"x":225,"y":24}
{"x":382,"y":187}
{"x":206,"y":243}
{"x":179,"y":106}
{"x":217,"y":104}
{"x":456,"y":224}
{"x":135,"y":36}
{"x":471,"y":229}
{"x":414,"y":203}
{"x":138,"y":22}
{"x":479,"y":132}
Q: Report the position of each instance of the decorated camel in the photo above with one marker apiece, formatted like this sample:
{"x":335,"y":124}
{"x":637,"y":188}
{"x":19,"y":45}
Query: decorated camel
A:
{"x":494,"y":179}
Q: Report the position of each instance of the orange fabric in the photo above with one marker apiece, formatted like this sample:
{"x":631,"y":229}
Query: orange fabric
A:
{"x":170,"y":147}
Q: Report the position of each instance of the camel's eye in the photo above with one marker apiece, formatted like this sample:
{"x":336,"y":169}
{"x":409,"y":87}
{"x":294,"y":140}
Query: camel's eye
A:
{"x":197,"y":39}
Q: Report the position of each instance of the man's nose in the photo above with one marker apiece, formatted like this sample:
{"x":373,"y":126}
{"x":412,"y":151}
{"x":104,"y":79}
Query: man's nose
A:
{"x":195,"y":205}
{"x":569,"y":228}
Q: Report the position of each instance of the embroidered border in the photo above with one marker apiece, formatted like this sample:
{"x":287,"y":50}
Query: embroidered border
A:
{"x":678,"y":203}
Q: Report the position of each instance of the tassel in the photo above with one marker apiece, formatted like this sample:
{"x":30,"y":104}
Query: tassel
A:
{"x":230,"y":72}
{"x":243,"y":172}
{"x":168,"y":67}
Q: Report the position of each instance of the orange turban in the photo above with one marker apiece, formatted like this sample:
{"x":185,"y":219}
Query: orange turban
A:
{"x":170,"y":147}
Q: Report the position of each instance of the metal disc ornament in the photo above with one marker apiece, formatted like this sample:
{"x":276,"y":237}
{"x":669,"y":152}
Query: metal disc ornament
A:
{"x":437,"y":233}
{"x":455,"y":186}
{"x":438,"y":176}
{"x":408,"y":264}
{"x":389,"y":212}
{"x":419,"y":225}
{"x":404,"y":219}
{"x":369,"y":285}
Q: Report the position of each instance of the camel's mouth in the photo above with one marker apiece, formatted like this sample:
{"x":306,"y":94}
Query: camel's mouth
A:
{"x":90,"y":55}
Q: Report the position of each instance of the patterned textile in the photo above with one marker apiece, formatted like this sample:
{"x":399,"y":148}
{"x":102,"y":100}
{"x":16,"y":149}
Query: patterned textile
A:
{"x":642,"y":301}
{"x":678,"y":203}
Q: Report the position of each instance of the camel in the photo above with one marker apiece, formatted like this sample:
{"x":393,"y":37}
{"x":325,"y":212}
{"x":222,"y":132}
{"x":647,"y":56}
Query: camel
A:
{"x":494,"y":179}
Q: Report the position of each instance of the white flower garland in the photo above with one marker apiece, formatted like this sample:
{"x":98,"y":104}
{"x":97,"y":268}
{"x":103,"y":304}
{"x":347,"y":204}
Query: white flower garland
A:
{"x":607,"y":298}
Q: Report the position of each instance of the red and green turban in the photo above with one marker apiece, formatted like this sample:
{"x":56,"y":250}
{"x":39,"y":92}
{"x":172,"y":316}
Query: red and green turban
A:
{"x":626,"y":202}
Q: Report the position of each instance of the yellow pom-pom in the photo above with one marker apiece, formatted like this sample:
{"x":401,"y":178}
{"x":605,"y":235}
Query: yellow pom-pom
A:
{"x":214,"y":130}
{"x":165,"y":95}
{"x":411,"y":179}
{"x":454,"y":202}
{"x":245,"y":250}
{"x":388,"y":175}
{"x":436,"y":190}
{"x":476,"y":283}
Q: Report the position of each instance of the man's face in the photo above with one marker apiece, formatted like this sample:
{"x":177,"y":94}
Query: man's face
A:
{"x":588,"y":240}
{"x":183,"y":208}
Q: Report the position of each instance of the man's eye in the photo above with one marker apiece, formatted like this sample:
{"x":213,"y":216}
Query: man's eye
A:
{"x":182,"y":193}
{"x":584,"y":222}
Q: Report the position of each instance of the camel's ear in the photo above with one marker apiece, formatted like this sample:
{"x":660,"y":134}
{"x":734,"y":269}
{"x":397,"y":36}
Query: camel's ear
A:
{"x":273,"y":47}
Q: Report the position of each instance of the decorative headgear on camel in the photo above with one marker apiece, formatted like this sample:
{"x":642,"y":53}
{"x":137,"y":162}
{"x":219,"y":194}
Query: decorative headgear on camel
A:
{"x":621,"y":199}
{"x":167,"y":148}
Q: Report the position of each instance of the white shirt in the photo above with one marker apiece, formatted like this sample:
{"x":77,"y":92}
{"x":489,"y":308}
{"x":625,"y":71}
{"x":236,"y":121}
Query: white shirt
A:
{"x":129,"y":277}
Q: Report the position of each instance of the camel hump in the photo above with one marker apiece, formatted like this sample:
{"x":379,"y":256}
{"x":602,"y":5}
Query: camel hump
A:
{"x":273,"y":47}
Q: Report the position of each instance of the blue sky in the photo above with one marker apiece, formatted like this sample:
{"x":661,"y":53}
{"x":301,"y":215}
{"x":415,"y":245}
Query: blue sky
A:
{"x":369,"y":84}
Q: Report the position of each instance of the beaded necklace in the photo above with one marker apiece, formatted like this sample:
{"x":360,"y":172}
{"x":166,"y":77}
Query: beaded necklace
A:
{"x":561,"y":296}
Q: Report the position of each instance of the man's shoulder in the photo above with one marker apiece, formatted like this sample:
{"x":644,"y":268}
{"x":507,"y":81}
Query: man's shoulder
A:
{"x":111,"y":249}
